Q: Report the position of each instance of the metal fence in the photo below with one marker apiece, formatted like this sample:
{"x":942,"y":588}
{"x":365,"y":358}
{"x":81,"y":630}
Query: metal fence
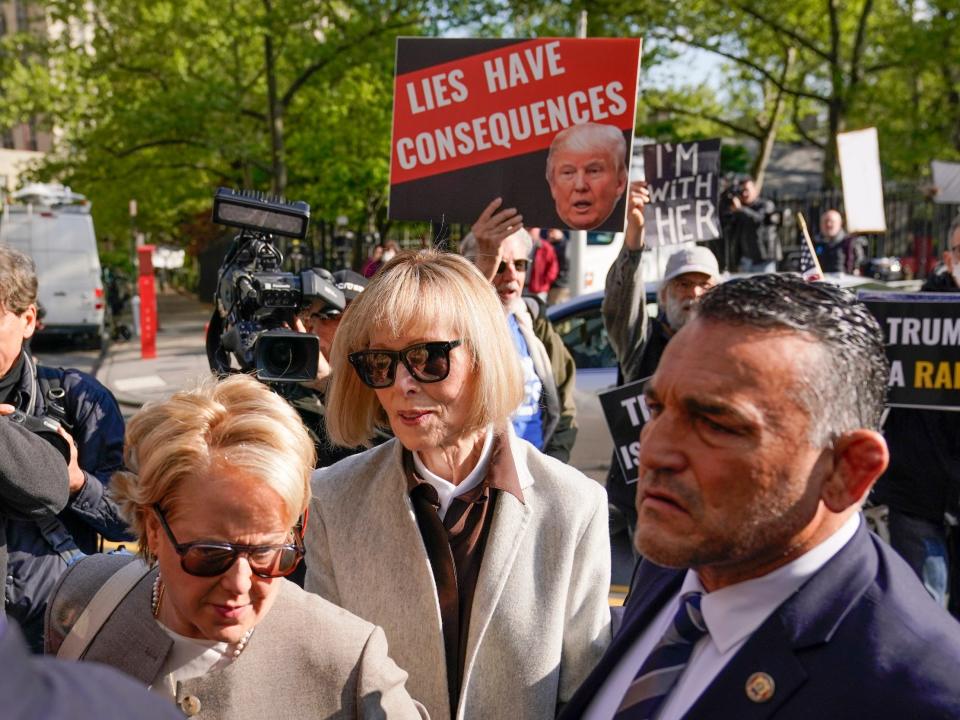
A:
{"x":916,"y":226}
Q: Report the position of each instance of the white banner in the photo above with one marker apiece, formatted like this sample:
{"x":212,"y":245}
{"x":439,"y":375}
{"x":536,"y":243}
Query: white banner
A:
{"x":946,"y":178}
{"x":859,"y":154}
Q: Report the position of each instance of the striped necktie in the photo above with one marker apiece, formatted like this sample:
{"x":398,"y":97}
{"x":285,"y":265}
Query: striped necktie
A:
{"x":664,"y":665}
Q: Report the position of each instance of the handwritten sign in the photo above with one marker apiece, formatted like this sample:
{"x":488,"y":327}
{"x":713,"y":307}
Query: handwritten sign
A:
{"x":683,"y":184}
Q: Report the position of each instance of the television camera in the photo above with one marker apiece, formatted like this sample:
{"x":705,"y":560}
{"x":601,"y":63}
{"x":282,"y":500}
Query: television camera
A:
{"x":256,"y":302}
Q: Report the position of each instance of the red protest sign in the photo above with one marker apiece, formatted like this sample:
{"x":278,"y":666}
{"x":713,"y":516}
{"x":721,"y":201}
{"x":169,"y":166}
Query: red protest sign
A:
{"x":475,"y":119}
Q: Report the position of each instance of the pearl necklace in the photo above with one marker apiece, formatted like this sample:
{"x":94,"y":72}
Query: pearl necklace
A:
{"x":156,"y":597}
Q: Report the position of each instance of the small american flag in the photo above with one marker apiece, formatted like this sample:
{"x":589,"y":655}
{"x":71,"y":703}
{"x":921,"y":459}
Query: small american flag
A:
{"x":809,"y":266}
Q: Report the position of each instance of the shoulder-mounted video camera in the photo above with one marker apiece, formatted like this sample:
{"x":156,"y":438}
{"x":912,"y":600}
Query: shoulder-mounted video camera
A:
{"x":256,"y":302}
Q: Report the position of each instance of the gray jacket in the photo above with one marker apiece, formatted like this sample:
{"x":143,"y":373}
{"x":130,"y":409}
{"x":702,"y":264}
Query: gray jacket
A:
{"x":540,"y":617}
{"x":307,"y":658}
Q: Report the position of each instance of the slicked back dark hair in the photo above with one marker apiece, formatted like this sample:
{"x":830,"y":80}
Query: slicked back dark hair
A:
{"x":848,"y":388}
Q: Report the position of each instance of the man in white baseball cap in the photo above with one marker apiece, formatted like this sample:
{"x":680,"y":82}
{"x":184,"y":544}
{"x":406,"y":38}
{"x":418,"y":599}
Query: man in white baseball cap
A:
{"x":638,"y":339}
{"x":690,"y":273}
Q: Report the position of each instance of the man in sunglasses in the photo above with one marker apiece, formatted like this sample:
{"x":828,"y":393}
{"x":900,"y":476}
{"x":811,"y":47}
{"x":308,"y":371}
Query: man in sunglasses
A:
{"x":500,"y":247}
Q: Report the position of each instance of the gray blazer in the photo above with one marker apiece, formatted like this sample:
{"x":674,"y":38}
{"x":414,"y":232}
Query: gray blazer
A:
{"x":540,"y":618}
{"x":307,"y":657}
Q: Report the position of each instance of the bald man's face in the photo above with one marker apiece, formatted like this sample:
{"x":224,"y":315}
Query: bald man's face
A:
{"x":831,"y":224}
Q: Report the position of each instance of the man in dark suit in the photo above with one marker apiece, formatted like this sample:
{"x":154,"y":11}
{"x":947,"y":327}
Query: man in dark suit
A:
{"x":762,"y":594}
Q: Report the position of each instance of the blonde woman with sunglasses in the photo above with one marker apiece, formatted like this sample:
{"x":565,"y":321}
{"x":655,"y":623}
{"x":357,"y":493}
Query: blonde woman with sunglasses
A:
{"x":486,"y":562}
{"x":217,"y":494}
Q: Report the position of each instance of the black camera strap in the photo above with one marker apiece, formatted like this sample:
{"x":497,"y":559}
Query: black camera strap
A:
{"x":55,"y":398}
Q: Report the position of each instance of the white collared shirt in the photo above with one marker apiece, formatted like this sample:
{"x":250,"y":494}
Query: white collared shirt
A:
{"x":732,"y":614}
{"x":446,"y":489}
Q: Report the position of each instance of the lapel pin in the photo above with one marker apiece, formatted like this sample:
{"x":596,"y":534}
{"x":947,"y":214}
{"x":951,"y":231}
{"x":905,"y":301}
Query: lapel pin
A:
{"x":760,"y":687}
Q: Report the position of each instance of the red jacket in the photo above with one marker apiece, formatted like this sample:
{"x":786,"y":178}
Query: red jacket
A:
{"x":545,"y":268}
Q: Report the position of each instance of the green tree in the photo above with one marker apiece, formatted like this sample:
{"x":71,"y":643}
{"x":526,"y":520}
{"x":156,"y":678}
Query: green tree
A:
{"x":163,"y":100}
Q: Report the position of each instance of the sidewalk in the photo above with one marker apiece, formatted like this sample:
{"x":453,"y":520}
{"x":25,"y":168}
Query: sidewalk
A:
{"x":181,"y":356}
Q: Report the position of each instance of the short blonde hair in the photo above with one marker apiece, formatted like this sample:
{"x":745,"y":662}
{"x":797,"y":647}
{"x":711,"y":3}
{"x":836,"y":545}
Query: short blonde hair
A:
{"x":414,"y":291}
{"x":238,"y":421}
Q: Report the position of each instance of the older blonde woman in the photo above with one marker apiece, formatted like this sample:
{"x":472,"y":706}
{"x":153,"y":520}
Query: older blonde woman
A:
{"x":216,"y":493}
{"x":486,"y":562}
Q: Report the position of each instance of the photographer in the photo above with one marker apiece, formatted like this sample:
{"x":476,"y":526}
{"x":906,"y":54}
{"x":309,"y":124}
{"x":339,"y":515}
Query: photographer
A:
{"x":40,"y":549}
{"x":322,"y":320}
{"x":274,"y":324}
{"x":750,"y":224}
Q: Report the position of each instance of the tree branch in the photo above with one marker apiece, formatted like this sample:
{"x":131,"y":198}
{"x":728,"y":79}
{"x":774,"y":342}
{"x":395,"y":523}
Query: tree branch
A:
{"x":723,"y":122}
{"x":857,"y":55}
{"x":782,"y":29}
{"x":152,"y":144}
{"x":746,"y":62}
{"x":315,"y":67}
{"x":795,"y":115}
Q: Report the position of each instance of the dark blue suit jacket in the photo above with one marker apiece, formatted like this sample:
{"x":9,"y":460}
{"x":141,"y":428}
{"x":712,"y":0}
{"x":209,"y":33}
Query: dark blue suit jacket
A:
{"x":860,"y":639}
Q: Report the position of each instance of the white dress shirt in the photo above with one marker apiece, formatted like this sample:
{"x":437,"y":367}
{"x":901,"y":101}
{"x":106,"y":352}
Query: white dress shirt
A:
{"x":446,"y":489}
{"x":731,"y":614}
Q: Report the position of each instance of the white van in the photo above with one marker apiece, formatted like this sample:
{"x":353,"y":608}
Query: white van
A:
{"x":52,"y":225}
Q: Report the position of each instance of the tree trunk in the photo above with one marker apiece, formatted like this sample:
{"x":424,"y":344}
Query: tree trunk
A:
{"x":836,"y":123}
{"x":773,"y":124}
{"x":278,"y":184}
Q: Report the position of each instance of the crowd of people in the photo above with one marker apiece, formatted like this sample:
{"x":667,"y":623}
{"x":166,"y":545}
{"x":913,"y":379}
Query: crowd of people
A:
{"x":404,"y":537}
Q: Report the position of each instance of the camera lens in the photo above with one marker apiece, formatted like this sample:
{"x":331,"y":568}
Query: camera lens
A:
{"x":284,"y":356}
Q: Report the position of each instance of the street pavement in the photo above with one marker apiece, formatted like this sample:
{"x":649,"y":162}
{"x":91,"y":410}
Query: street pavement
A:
{"x":181,"y":356}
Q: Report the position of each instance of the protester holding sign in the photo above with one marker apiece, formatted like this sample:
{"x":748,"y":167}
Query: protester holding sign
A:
{"x":922,"y":483}
{"x":638,"y":339}
{"x":547,"y":416}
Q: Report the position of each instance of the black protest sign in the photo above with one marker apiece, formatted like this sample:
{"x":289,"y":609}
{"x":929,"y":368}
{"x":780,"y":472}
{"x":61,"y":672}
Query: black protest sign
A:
{"x":683,"y":183}
{"x":625,"y":411}
{"x":922,"y":337}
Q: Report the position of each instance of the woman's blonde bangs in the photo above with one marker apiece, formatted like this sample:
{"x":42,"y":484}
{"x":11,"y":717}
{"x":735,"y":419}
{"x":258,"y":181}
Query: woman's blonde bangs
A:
{"x":414,"y":292}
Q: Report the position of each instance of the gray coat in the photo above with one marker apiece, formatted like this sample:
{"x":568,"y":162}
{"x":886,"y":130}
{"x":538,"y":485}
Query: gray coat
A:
{"x":540,"y":617}
{"x":307,"y":658}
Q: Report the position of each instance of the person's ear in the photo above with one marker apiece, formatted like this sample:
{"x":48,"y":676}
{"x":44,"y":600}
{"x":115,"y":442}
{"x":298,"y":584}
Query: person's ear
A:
{"x":152,"y":530}
{"x":30,"y":319}
{"x":859,"y":458}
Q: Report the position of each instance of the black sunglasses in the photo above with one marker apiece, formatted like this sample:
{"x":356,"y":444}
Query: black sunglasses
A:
{"x":206,"y":558}
{"x":427,"y":362}
{"x":519,"y":264}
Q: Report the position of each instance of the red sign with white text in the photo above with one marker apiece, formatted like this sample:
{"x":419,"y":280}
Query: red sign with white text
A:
{"x":468,"y":105}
